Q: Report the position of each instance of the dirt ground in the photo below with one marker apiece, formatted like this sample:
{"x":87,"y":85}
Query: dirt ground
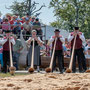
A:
{"x":51,"y":81}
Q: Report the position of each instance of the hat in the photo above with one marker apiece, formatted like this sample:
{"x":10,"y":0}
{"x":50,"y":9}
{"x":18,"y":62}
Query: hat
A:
{"x":56,"y":30}
{"x":76,"y":28}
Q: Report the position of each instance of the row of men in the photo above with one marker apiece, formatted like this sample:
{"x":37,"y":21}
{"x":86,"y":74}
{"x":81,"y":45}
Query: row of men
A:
{"x":58,"y":49}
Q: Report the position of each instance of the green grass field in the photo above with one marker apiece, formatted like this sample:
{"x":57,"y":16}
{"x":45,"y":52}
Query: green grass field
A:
{"x":2,"y":75}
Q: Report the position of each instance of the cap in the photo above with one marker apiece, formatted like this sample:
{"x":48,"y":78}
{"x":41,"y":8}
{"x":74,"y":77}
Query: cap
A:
{"x":34,"y":31}
{"x":27,"y":19}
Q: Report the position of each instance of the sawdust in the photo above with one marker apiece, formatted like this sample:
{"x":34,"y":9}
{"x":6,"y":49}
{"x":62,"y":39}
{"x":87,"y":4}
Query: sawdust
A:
{"x":48,"y":81}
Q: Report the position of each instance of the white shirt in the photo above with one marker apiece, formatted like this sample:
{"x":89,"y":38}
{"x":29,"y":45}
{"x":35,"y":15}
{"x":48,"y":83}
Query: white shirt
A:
{"x":3,"y":41}
{"x":52,"y":39}
{"x":81,"y":37}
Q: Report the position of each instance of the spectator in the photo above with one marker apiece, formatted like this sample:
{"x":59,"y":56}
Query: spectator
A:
{"x":17,"y":26}
{"x":6,"y":50}
{"x":67,"y":44}
{"x":6,"y":25}
{"x":0,"y":20}
{"x":37,"y":27}
{"x":12,"y":21}
{"x":32,"y":20}
{"x":87,"y":48}
{"x":27,"y":28}
{"x":1,"y":51}
{"x":16,"y":51}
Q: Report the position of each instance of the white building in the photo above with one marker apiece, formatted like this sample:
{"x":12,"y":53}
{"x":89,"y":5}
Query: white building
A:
{"x":48,"y":31}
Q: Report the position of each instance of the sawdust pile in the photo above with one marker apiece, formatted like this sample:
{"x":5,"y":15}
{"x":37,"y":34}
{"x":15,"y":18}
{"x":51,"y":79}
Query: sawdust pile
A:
{"x":49,"y":81}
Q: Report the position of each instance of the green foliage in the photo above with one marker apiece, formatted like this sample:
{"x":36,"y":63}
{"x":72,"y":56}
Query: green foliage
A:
{"x":24,"y":7}
{"x":70,"y":13}
{"x":19,"y":8}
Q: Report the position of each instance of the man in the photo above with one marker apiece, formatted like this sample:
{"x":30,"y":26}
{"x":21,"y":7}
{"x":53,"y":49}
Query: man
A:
{"x":87,"y":49}
{"x":6,"y":49}
{"x":12,"y":21}
{"x":27,"y":28}
{"x":58,"y":49}
{"x":16,"y":51}
{"x":78,"y":52}
{"x":37,"y":27}
{"x":17,"y":26}
{"x":32,"y":20}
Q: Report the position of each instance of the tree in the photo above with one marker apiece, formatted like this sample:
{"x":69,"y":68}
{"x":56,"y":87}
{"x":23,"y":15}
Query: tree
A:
{"x":22,"y":8}
{"x":72,"y":13}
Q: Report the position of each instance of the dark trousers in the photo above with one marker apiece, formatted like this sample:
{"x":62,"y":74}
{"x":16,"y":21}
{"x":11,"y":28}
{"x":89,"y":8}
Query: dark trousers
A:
{"x":59,"y":55}
{"x":16,"y":59}
{"x":79,"y":55}
{"x":6,"y":60}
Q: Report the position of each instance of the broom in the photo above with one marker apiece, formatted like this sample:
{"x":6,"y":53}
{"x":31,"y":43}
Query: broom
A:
{"x":49,"y":69}
{"x":12,"y":68}
{"x":69,"y":70}
{"x":31,"y":69}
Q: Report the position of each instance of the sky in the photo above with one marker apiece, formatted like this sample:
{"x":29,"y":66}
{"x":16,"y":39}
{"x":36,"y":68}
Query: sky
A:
{"x":46,"y":16}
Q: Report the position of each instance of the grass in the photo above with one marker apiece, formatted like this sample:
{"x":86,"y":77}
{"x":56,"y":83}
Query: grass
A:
{"x":3,"y":75}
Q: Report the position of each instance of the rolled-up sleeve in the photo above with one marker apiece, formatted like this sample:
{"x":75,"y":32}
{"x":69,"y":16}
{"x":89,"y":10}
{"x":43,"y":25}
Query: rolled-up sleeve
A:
{"x":62,"y":39}
{"x":12,"y":41}
{"x":82,"y":37}
{"x":51,"y":40}
{"x":2,"y":41}
{"x":70,"y":38}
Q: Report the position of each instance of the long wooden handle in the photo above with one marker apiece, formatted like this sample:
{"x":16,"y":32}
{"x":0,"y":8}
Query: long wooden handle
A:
{"x":11,"y":60}
{"x":72,"y":56}
{"x":32,"y":60}
{"x":51,"y":63}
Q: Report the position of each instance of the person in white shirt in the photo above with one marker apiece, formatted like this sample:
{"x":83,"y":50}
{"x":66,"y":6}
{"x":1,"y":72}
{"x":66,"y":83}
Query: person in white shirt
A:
{"x":37,"y":43}
{"x":58,"y":49}
{"x":6,"y":49}
{"x":78,"y":51}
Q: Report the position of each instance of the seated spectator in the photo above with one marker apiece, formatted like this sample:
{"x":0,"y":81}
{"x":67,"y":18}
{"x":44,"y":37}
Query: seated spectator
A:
{"x":22,"y":21}
{"x":27,"y":15}
{"x":87,"y":48}
{"x":6,"y":25}
{"x":67,"y":44}
{"x":32,"y":20}
{"x":12,"y":21}
{"x":27,"y":29}
{"x":17,"y":26}
{"x":37,"y":27}
{"x":8,"y":16}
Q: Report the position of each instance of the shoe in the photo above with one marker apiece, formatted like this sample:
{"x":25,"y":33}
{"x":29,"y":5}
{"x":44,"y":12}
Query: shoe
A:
{"x":73,"y":71}
{"x":38,"y":70}
{"x":81,"y":71}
